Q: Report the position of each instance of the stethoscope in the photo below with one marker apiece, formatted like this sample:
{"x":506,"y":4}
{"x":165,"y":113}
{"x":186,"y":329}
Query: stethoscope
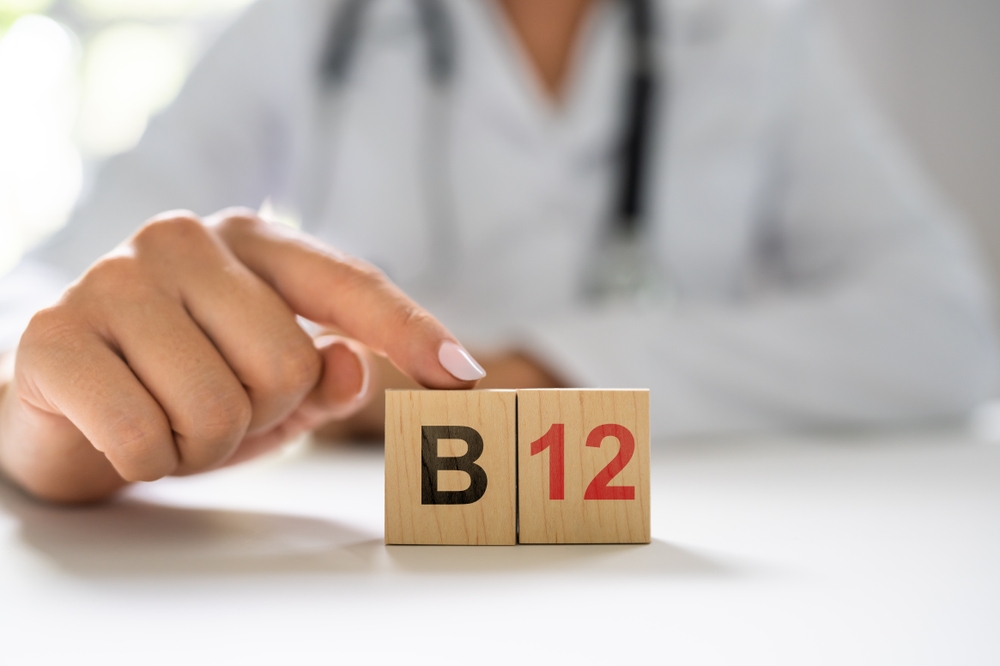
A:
{"x":622,"y":266}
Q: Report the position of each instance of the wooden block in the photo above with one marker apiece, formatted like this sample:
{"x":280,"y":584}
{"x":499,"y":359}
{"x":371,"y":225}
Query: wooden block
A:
{"x":450,"y":467}
{"x":583,"y":466}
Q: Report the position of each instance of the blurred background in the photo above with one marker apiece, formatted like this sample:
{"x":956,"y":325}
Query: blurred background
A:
{"x":79,"y":80}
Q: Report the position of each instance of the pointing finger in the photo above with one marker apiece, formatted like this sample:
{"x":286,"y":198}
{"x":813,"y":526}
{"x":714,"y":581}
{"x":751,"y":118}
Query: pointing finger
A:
{"x":332,"y":288}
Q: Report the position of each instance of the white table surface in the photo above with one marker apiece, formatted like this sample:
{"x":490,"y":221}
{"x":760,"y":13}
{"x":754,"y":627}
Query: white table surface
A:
{"x":823,"y":549}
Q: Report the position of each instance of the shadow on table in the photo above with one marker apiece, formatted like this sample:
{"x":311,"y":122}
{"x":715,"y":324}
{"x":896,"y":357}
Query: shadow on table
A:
{"x":129,"y":537}
{"x":658,"y":558}
{"x":132,"y":538}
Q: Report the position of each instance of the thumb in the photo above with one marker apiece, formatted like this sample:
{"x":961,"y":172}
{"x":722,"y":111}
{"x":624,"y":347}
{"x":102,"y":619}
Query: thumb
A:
{"x":345,"y":385}
{"x":343,"y":388}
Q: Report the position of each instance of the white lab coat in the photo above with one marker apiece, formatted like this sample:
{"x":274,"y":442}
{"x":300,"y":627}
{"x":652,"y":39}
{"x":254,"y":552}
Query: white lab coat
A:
{"x":818,"y":281}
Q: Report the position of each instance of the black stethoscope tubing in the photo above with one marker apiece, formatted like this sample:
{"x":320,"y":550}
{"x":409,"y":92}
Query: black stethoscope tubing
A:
{"x":441,"y":54}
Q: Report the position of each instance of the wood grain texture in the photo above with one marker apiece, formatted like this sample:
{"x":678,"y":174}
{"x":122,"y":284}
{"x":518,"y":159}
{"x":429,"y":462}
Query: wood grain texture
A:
{"x":575,"y":519}
{"x":491,"y":519}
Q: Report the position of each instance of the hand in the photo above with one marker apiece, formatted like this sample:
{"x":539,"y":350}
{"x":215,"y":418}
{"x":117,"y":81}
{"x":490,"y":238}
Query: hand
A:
{"x":509,"y":370}
{"x":180,"y":352}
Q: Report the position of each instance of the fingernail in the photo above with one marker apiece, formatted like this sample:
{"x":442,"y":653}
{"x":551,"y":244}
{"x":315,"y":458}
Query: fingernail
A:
{"x":459,"y":362}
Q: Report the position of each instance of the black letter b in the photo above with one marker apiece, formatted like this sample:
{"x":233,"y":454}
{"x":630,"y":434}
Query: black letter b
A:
{"x":432,"y":463}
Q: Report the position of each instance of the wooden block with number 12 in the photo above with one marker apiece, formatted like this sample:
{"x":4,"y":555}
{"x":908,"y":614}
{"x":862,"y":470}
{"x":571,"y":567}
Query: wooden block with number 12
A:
{"x":450,"y":467}
{"x":583,"y":466}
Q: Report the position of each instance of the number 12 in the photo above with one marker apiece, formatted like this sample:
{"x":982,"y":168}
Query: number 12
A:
{"x":555,"y":441}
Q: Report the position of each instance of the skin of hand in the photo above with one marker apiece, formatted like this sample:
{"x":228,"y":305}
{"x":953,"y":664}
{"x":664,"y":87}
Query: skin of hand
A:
{"x":503,"y":371}
{"x":180,"y":352}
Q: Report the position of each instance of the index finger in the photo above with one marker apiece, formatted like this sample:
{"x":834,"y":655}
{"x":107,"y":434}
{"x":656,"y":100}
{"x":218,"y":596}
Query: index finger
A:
{"x":330,"y":287}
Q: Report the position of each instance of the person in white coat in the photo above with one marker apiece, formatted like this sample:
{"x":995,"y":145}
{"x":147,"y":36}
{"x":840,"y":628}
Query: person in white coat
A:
{"x":795,"y":271}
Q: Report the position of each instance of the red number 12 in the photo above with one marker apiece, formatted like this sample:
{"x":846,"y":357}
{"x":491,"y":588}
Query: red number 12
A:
{"x":555,"y":441}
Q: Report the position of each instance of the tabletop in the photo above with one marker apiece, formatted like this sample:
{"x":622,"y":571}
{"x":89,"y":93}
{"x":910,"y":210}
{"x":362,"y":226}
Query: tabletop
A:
{"x":794,"y":549}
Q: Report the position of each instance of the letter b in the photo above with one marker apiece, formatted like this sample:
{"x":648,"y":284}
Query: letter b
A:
{"x":432,"y":463}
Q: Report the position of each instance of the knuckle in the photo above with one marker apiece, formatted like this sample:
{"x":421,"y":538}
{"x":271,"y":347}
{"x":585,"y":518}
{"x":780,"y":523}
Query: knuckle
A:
{"x":52,"y":337}
{"x":111,"y":286}
{"x":220,"y":419}
{"x":411,"y":316}
{"x":47,"y":328}
{"x":296,"y":371}
{"x":110,"y":274}
{"x":141,"y":449}
{"x":408,"y":323}
{"x":238,"y":221}
{"x":170,"y":230}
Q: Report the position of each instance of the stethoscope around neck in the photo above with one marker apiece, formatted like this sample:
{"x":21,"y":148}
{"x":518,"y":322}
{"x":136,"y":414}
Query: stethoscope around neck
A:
{"x":623,"y":265}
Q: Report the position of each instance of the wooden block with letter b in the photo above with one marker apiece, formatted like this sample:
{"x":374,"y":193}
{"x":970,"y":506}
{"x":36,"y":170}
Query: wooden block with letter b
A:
{"x":583,"y":466}
{"x":450,"y":460}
